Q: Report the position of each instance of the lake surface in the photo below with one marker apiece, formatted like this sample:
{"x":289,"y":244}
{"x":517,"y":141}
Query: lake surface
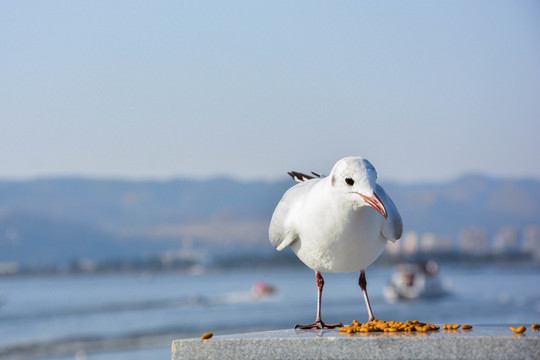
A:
{"x":136,"y":316}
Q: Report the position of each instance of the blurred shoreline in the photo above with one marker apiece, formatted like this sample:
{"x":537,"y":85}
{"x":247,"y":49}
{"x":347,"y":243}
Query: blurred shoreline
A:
{"x":152,"y":265}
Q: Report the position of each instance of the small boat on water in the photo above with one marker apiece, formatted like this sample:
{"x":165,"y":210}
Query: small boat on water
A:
{"x":262,"y":289}
{"x":416,"y":281}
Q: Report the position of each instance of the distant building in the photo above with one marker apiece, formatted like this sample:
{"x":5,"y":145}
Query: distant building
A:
{"x":531,"y":242}
{"x":432,"y":243}
{"x":410,"y":243}
{"x":506,"y":240}
{"x":473,"y":241}
{"x":8,"y":268}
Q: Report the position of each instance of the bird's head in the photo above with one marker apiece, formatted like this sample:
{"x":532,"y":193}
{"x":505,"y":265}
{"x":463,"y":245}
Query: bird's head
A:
{"x":355,"y":178}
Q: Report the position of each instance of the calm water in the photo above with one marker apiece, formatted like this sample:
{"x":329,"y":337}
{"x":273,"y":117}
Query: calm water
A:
{"x":136,"y":316}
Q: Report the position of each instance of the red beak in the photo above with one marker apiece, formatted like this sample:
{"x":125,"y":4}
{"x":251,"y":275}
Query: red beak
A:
{"x":376,"y":203}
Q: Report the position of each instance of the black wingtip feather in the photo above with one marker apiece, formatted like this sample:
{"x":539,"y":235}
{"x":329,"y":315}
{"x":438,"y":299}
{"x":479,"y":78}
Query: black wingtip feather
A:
{"x":300,"y":177}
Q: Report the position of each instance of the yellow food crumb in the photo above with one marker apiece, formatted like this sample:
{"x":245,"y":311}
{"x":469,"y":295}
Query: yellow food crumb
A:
{"x":535,"y":326}
{"x":451,"y":326}
{"x":207,"y":335}
{"x":388,"y":326}
{"x":518,"y":330}
{"x":466,"y":327}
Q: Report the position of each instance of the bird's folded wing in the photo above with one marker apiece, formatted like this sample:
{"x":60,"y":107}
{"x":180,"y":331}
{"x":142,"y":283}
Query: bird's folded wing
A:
{"x":393,"y":226}
{"x":282,"y":231}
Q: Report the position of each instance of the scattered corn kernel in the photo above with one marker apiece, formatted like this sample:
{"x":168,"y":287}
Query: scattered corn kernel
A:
{"x":535,"y":326}
{"x":466,"y":327}
{"x":518,"y":330}
{"x":207,"y":335}
{"x":451,"y":326}
{"x":388,"y":326}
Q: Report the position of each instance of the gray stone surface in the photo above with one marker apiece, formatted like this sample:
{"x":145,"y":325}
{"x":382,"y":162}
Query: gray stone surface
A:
{"x":482,"y":342}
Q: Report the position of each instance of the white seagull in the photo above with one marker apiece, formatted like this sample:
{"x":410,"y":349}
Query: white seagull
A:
{"x":336,"y":224}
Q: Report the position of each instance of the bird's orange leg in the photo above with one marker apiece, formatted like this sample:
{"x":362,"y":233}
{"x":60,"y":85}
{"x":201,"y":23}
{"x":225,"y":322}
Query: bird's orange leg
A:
{"x":318,"y":324}
{"x":363,"y":285}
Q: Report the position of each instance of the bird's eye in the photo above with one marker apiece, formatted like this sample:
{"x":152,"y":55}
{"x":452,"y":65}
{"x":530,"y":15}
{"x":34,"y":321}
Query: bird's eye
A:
{"x":349,"y":181}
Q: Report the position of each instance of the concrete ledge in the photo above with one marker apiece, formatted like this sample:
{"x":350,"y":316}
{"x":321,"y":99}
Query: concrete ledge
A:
{"x":485,"y":342}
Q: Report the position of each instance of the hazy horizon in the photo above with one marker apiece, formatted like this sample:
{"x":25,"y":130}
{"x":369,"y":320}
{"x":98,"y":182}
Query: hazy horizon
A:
{"x":232,"y":177}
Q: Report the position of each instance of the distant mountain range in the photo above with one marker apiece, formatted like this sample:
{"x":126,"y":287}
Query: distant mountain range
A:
{"x":60,"y":220}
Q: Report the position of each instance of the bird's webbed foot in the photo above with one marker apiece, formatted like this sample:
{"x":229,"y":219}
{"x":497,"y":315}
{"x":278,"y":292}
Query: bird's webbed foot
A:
{"x":318,"y":325}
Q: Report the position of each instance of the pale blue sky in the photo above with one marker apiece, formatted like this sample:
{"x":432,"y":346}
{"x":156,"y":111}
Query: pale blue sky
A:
{"x":426,"y":90}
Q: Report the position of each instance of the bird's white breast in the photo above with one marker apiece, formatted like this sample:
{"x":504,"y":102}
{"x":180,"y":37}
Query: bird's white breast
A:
{"x":336,"y":244}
